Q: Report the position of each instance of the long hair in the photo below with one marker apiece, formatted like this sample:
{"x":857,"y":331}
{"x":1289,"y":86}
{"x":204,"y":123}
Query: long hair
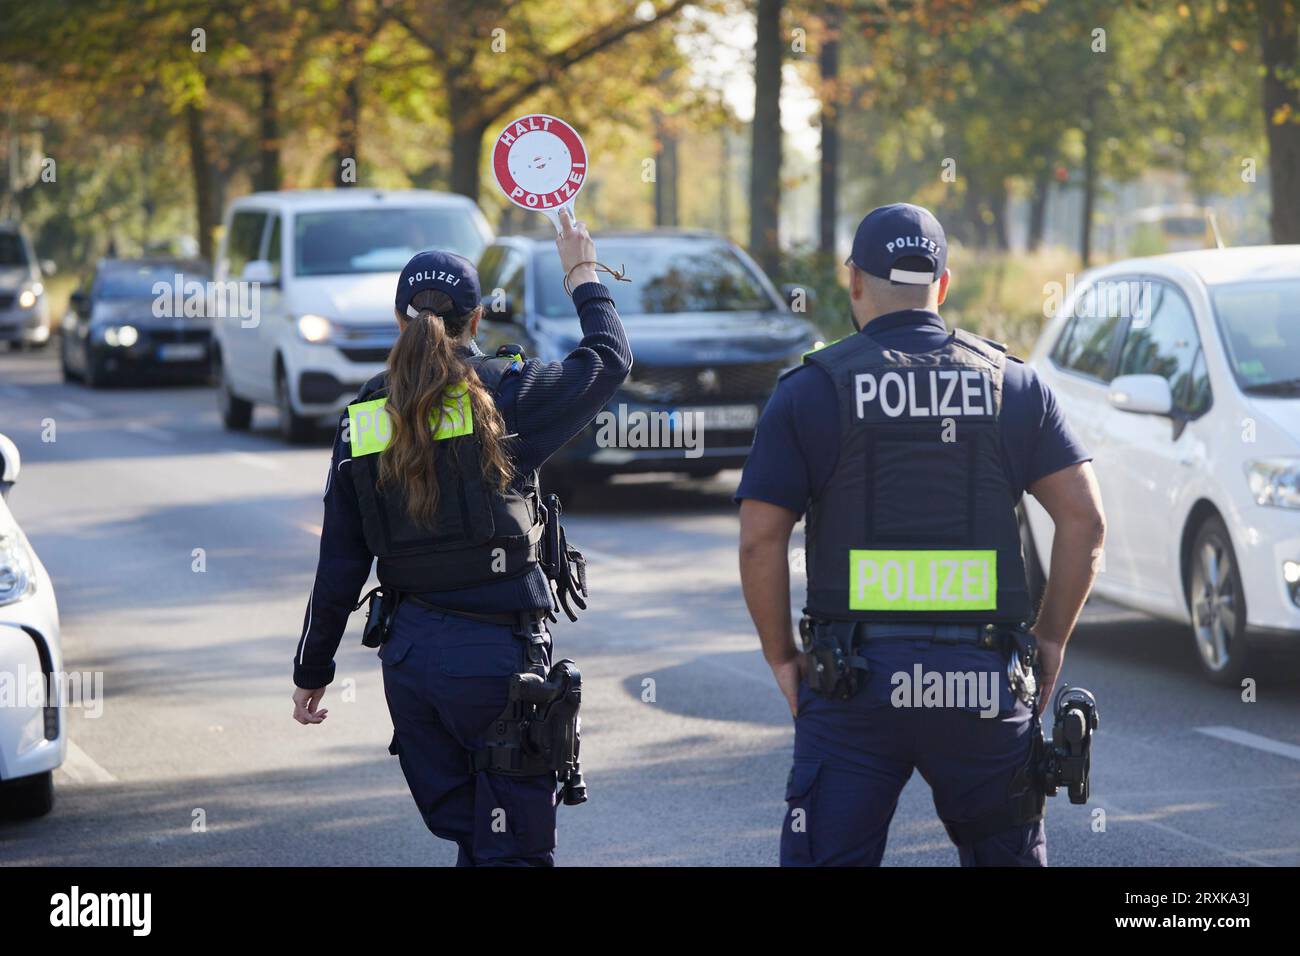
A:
{"x":422,"y":366}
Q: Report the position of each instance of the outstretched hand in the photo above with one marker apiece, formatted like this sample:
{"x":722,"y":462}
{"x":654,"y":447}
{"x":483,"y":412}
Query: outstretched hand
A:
{"x":577,"y":251}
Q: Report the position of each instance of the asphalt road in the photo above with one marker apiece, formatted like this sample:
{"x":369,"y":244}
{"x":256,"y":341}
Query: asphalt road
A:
{"x":197,"y":676}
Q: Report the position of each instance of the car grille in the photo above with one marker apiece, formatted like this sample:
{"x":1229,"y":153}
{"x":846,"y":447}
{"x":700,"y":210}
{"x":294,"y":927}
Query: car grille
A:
{"x":178,"y":336}
{"x":7,"y":299}
{"x":673,"y":384}
{"x":365,"y":355}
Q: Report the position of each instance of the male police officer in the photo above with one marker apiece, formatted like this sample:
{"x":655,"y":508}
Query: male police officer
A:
{"x":909,"y":448}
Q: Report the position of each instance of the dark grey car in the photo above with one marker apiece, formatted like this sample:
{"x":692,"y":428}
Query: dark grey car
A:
{"x":709,"y":335}
{"x":137,"y":317}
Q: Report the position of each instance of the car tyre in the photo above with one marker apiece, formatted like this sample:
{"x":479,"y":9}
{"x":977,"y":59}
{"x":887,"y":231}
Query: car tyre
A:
{"x":96,"y":375}
{"x":68,"y":374}
{"x":27,"y":797}
{"x":1218,"y":605}
{"x":236,"y":413}
{"x":294,"y":428}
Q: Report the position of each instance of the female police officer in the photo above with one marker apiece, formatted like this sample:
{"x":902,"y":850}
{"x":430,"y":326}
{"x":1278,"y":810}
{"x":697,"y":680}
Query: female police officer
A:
{"x":442,"y":490}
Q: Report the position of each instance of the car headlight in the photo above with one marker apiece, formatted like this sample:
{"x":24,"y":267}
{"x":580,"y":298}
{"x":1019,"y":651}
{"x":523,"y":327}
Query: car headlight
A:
{"x":314,"y":328}
{"x":17,"y":571}
{"x":1275,"y":481}
{"x":123,"y":335}
{"x":27,"y":298}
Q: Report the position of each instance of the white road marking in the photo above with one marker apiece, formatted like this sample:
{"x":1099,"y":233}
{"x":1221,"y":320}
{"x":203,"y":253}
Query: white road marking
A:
{"x":82,"y":769}
{"x":75,"y":410}
{"x":139,"y":428}
{"x":1247,"y":739}
{"x":256,"y":461}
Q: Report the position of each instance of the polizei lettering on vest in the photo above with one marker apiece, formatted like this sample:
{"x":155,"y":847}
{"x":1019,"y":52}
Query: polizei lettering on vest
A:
{"x":921,"y":393}
{"x":922,"y":580}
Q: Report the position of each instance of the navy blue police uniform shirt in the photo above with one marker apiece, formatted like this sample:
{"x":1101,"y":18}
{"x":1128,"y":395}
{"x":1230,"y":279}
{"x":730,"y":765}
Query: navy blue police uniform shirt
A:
{"x":797,"y":442}
{"x":543,"y":405}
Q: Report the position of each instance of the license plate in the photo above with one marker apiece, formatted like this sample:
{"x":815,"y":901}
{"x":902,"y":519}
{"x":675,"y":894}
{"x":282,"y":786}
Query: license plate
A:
{"x":724,"y":416}
{"x":183,"y":352}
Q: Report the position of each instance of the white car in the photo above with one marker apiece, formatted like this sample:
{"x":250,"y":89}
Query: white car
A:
{"x":319,"y":269}
{"x":24,"y":306}
{"x":32,"y":738}
{"x":1181,"y":374}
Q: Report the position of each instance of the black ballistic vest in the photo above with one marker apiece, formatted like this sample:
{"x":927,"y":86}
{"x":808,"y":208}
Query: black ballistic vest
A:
{"x":917,"y":521}
{"x":480,"y":535}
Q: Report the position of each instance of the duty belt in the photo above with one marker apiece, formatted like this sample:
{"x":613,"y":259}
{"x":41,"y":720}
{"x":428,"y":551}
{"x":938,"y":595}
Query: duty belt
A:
{"x":981,"y":635}
{"x":505,"y":618}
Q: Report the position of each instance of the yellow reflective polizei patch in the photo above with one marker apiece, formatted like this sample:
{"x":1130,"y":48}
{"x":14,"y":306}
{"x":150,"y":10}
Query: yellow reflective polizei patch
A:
{"x":923,"y":580}
{"x":370,"y":430}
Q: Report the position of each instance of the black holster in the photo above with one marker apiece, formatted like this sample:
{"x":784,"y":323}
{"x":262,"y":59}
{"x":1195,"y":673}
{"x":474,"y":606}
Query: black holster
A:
{"x":539,"y":732}
{"x":379,"y":615}
{"x":834,"y":668}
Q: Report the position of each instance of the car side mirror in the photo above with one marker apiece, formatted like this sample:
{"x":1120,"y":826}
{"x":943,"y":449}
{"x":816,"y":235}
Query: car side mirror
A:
{"x":1144,"y":394}
{"x":80,"y":302}
{"x":499,"y":308}
{"x":10,"y":463}
{"x":800,"y":298}
{"x":260,"y":271}
{"x":48,"y":267}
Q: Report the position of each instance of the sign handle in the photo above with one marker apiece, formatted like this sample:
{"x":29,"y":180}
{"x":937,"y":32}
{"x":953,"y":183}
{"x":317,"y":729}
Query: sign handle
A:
{"x":554,"y":214}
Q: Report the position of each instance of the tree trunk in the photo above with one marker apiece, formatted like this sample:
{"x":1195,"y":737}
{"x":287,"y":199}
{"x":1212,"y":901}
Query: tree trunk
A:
{"x":1280,"y":46}
{"x":828,"y":63}
{"x":1089,"y":180}
{"x":347,"y":147}
{"x":268,"y":166}
{"x":1038,"y":208}
{"x":665,"y":174}
{"x":203,"y":205}
{"x":467,"y":157}
{"x":765,"y":148}
{"x":998,"y":198}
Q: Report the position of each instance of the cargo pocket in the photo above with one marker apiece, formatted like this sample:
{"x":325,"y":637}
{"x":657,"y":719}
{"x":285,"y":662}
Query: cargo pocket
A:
{"x":800,"y":797}
{"x":394,"y":650}
{"x":492,"y":658}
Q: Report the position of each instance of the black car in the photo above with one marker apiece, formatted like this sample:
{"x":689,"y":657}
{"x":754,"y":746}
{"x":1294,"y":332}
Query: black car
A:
{"x":709,"y":334}
{"x":138,"y":316}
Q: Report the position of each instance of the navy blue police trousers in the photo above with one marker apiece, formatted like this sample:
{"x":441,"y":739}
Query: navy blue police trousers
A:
{"x":853,"y":757}
{"x":446,"y":679}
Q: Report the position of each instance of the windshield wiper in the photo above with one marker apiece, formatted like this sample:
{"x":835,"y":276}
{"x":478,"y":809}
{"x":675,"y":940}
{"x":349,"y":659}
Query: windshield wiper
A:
{"x":1289,"y":386}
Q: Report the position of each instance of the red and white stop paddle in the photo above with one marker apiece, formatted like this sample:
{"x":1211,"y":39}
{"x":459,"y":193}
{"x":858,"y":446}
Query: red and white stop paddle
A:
{"x":540,"y":163}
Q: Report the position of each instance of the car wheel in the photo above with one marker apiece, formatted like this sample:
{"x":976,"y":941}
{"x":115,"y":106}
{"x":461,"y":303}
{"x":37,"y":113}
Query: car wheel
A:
{"x":27,"y":797}
{"x":68,"y":374}
{"x":1035,"y":576}
{"x":236,"y":413}
{"x":96,"y":375}
{"x":294,"y":428}
{"x":1218,"y":605}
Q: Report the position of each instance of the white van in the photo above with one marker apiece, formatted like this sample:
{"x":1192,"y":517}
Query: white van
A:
{"x":310,"y":277}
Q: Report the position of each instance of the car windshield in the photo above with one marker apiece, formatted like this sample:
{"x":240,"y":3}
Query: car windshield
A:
{"x":12,"y":251}
{"x":351,"y":241}
{"x":1260,"y":323}
{"x":127,"y":281}
{"x":667,"y":275}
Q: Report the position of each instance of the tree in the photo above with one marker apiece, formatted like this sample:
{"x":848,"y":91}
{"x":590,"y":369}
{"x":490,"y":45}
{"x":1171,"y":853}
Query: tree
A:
{"x":765,"y":145}
{"x":480,"y":86}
